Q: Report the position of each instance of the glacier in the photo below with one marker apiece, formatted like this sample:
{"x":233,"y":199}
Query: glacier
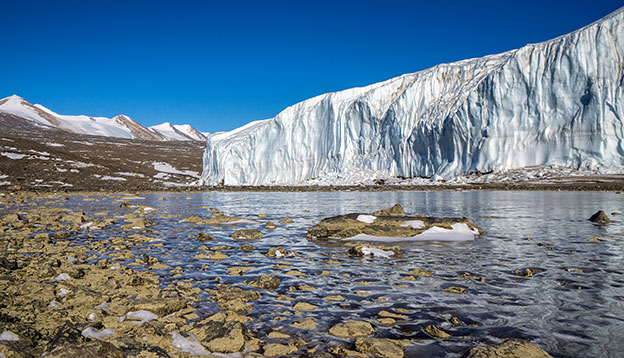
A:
{"x":557,"y":102}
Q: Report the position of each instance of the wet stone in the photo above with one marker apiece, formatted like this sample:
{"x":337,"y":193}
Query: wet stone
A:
{"x":600,"y":217}
{"x":514,"y":348}
{"x":267,"y":282}
{"x":276,"y":349}
{"x":397,"y":209}
{"x":455,"y":289}
{"x":381,"y":347}
{"x":251,"y":234}
{"x":351,"y":329}
{"x":92,"y":349}
{"x":202,"y":236}
{"x":436,"y":332}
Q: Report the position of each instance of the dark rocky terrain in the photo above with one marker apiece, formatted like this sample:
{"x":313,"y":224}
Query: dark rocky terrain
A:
{"x":44,"y":158}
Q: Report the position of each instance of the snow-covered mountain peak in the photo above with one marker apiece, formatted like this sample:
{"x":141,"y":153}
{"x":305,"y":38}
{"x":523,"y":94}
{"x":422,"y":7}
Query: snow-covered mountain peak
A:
{"x":120,"y":126}
{"x":178,"y":131}
{"x":558,"y":102}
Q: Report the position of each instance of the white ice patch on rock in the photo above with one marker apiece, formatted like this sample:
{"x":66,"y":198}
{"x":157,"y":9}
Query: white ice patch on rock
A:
{"x":9,"y":336}
{"x":91,"y":332}
{"x":414,"y":224}
{"x":459,"y":232}
{"x":62,"y":277}
{"x":371,"y":251}
{"x":186,"y":345}
{"x":142,"y":315}
{"x":366,"y":218}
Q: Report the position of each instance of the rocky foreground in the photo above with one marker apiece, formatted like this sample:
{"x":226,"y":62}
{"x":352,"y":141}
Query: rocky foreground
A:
{"x":61,"y":298}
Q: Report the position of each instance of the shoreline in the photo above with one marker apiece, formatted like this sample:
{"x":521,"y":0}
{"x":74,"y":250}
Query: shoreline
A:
{"x":572,"y":185}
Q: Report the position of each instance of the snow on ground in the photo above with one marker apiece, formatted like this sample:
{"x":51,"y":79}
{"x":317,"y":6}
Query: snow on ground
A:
{"x":130,"y":174}
{"x":414,"y":224}
{"x":55,"y":144}
{"x":13,"y":156}
{"x":366,"y":218}
{"x":458,"y":232}
{"x":168,"y":168}
{"x":106,"y":177}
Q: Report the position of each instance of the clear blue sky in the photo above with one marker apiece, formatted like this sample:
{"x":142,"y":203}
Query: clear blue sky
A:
{"x":218,"y":65}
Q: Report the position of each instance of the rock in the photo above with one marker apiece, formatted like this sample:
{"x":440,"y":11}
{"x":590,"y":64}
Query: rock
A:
{"x":600,"y":217}
{"x":308,"y":323}
{"x":221,"y":337}
{"x":251,"y":234}
{"x":8,"y":264}
{"x":275,"y":349}
{"x":419,"y":272}
{"x":192,"y":219}
{"x":513,"y":348}
{"x":61,"y":235}
{"x":397,"y":209}
{"x":159,"y":306}
{"x":278,"y":335}
{"x":92,"y":349}
{"x":455,"y":289}
{"x":202,"y":236}
{"x":286,"y":221}
{"x":246,"y":247}
{"x":231,"y":293}
{"x":361,"y":250}
{"x":351,"y":329}
{"x":387,"y":314}
{"x":527,"y":272}
{"x":304,"y":306}
{"x":436,"y":332}
{"x":381,"y":347}
{"x":367,"y":227}
{"x":218,"y":256}
{"x":267,"y":282}
{"x":270,"y":225}
{"x":277,"y":251}
{"x":239,"y":270}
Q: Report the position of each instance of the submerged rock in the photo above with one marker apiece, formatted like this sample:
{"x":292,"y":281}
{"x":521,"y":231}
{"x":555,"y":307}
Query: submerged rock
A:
{"x":390,"y":226}
{"x":513,"y":348}
{"x":276,"y":349}
{"x":202,"y":236}
{"x":600,"y":217}
{"x":267,"y":282}
{"x":436,"y":332}
{"x":381,"y":347}
{"x":351,"y":329}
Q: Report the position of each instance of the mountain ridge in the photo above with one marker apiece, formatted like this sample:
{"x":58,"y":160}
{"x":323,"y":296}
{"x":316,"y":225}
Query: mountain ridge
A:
{"x":119,"y":126}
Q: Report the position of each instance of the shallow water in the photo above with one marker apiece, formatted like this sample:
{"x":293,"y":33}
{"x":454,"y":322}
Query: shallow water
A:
{"x":569,"y":314}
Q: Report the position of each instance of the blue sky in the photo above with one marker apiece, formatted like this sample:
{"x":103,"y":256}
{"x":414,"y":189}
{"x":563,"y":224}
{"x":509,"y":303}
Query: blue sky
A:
{"x":218,"y":65}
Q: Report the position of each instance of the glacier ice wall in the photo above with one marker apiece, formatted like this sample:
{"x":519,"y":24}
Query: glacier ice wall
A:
{"x":558,"y":102}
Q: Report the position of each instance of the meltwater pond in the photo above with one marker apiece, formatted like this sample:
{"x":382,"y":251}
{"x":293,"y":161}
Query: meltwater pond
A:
{"x":571,"y":306}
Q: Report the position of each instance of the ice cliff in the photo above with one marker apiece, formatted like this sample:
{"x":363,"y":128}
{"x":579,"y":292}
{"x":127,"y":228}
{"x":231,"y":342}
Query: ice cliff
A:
{"x":559,"y":102}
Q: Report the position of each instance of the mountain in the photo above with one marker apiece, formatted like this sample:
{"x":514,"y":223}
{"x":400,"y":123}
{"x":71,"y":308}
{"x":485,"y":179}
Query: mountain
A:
{"x":559,"y":102}
{"x":120,"y":126}
{"x":178,"y":132}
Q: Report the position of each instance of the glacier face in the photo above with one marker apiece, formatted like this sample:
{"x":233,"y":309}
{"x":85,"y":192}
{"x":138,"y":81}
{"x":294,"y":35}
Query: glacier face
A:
{"x":557,"y":103}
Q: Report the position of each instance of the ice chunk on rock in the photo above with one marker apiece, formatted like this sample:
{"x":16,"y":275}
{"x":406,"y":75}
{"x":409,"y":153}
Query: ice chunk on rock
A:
{"x":91,"y":332}
{"x":8,"y":336}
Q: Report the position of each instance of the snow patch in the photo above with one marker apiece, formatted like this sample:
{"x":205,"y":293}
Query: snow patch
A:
{"x":371,"y":251}
{"x":458,"y":232}
{"x":369,"y":219}
{"x":91,"y":332}
{"x":414,"y":224}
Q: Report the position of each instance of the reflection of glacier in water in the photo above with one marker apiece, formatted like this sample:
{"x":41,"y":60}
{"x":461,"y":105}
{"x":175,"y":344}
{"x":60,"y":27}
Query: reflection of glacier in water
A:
{"x":548,"y":308}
